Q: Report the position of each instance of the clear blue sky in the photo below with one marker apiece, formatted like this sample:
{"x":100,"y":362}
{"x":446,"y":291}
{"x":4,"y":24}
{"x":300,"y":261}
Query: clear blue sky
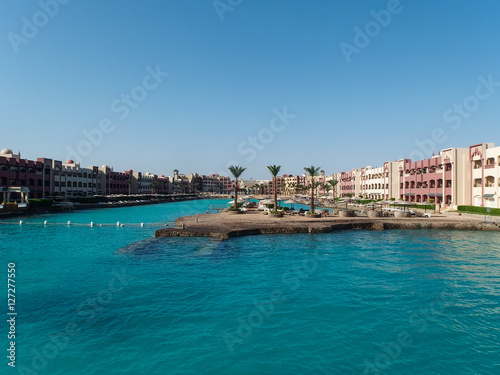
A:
{"x":228,"y":78}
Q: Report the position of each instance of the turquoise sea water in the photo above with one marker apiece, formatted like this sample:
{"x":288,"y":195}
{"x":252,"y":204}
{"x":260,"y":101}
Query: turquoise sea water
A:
{"x":351,"y":302}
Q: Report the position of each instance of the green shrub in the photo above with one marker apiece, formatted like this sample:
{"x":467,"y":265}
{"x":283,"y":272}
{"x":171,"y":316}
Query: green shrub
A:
{"x":479,"y":210}
{"x":232,"y":208}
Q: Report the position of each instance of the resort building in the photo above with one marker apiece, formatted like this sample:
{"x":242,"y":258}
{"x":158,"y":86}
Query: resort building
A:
{"x":71,"y":180}
{"x":440,"y":179}
{"x":291,"y":182}
{"x":111,"y":182}
{"x":163,"y":185}
{"x":17,"y":172}
{"x":484,"y":171}
{"x":349,"y":182}
{"x":381,"y":182}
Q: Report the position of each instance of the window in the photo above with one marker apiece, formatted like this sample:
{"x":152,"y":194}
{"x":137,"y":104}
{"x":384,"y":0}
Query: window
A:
{"x":477,"y":164}
{"x":490,"y":181}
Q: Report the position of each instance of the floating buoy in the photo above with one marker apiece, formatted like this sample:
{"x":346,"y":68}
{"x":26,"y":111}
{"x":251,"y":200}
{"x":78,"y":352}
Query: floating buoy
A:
{"x":91,"y":223}
{"x":20,"y":222}
{"x":69,"y":222}
{"x":117,"y":223}
{"x":142,"y":225}
{"x":122,"y":225}
{"x":45,"y":222}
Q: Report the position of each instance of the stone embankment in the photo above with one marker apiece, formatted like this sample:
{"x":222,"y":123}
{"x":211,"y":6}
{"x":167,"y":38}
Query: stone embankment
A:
{"x":224,"y":225}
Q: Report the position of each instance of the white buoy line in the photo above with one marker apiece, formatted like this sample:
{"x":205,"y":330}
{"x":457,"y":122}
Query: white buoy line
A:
{"x":91,"y":224}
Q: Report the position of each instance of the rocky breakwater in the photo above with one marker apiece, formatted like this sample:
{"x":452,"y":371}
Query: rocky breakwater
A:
{"x":224,"y":226}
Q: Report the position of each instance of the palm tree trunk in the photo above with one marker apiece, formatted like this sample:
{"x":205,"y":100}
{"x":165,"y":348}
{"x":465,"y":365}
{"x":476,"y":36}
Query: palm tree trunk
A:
{"x":236,"y":193}
{"x":312,"y":195}
{"x":275,"y":195}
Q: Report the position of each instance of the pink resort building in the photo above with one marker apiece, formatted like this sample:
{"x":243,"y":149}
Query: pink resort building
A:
{"x":18,"y":172}
{"x":349,"y":183}
{"x":484,"y":171}
{"x":441,"y":178}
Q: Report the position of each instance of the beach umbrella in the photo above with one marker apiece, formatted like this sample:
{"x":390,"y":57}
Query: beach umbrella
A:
{"x":267,"y":201}
{"x":403,"y":203}
{"x":424,"y":203}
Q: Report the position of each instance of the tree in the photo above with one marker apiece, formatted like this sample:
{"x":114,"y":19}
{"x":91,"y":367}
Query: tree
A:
{"x":326,"y":187}
{"x":152,"y":185}
{"x":312,"y":171}
{"x":194,"y":187}
{"x":236,"y":171}
{"x":129,"y":181}
{"x":333,"y":183}
{"x":275,"y":169}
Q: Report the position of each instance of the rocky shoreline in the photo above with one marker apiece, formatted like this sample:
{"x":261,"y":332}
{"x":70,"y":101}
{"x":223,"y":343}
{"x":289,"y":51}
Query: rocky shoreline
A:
{"x":224,"y":226}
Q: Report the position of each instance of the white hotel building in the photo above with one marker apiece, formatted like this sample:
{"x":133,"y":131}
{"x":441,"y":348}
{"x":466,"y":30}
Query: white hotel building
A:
{"x":484,"y":176}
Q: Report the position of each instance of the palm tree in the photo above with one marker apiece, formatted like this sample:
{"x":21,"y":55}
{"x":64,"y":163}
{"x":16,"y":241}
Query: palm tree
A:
{"x":194,"y":186}
{"x":274,"y":169}
{"x":129,"y":181}
{"x":333,"y":183}
{"x":326,"y":187}
{"x":312,"y":171}
{"x":236,"y":171}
